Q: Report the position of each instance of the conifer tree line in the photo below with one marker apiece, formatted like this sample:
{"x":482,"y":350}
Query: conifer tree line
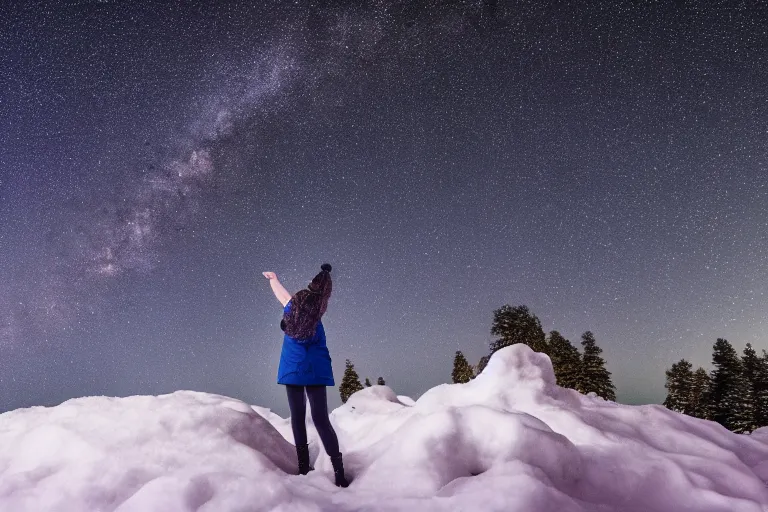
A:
{"x":583,"y":372}
{"x":734,"y":393}
{"x":350,"y":382}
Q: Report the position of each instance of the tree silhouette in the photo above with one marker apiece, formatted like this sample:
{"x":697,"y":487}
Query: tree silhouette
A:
{"x":350,"y":383}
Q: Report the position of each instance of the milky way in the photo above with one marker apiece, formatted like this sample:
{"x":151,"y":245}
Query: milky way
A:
{"x":603,"y":164}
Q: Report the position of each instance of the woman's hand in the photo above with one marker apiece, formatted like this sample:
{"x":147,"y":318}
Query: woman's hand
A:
{"x":280,"y":292}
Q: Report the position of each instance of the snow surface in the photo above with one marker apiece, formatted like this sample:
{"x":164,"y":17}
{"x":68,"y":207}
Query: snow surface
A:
{"x":509,"y":440}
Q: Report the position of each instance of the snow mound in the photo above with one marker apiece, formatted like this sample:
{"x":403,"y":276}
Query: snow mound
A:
{"x":171,"y":452}
{"x":509,"y":440}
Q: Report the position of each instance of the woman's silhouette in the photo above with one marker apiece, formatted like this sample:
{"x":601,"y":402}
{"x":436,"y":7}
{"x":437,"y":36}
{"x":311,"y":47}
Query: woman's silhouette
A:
{"x":305,"y":366}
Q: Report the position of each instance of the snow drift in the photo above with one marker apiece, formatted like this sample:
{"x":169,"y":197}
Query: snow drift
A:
{"x":509,"y":440}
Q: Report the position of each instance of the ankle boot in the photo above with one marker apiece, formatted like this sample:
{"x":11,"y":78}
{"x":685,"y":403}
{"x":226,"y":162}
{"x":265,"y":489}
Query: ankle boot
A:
{"x":338,"y":471}
{"x":302,"y":452}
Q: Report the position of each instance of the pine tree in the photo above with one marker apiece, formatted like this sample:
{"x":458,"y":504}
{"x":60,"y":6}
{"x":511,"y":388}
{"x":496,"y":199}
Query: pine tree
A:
{"x":350,"y":383}
{"x":761,"y":394}
{"x":380,"y":382}
{"x":594,"y":376}
{"x":679,"y":385}
{"x":462,"y":372}
{"x":732,"y":403}
{"x":566,"y":361}
{"x":744,"y":413}
{"x":753,"y":373}
{"x":477,"y":370}
{"x":367,"y":382}
{"x":699,"y":394}
{"x":517,"y":325}
{"x":756,"y":373}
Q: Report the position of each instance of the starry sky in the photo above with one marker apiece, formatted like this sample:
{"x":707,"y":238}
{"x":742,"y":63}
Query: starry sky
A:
{"x":604,"y":163}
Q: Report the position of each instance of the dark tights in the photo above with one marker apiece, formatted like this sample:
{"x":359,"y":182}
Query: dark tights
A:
{"x":319,"y":406}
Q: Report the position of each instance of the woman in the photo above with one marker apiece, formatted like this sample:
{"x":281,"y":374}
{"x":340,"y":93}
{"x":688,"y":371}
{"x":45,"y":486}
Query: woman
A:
{"x":305,"y":366}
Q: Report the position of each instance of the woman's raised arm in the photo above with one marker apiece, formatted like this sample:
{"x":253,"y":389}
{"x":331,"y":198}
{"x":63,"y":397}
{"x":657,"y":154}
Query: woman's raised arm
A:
{"x":280,"y":292}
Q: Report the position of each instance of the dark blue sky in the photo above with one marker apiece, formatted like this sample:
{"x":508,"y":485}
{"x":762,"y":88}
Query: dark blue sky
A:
{"x":605,"y":164}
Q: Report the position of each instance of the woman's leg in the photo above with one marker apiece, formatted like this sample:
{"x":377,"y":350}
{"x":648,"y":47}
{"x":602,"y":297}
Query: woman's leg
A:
{"x":319,"y":404}
{"x":297,"y":402}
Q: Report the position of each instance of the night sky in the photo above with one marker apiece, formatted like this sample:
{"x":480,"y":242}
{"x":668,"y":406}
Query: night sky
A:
{"x":604,"y":163}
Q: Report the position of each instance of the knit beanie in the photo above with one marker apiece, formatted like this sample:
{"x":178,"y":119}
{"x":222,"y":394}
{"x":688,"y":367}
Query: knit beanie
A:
{"x":321,"y":283}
